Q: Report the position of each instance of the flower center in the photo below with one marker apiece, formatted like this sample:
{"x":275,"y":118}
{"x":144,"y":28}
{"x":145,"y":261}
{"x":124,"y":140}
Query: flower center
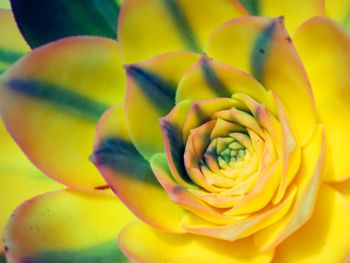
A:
{"x":229,"y":151}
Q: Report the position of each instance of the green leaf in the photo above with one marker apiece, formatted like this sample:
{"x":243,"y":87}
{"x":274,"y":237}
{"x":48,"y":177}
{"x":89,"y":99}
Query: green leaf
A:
{"x":42,"y":21}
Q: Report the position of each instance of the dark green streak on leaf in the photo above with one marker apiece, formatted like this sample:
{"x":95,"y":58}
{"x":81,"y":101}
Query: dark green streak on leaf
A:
{"x":200,"y":114}
{"x":42,"y":21}
{"x":107,"y":252}
{"x":252,"y":6}
{"x":9,"y":57}
{"x":123,"y":158}
{"x":160,"y":92}
{"x":177,"y":148}
{"x":65,"y":99}
{"x":213,"y":81}
{"x":261,"y":50}
{"x":183,"y":25}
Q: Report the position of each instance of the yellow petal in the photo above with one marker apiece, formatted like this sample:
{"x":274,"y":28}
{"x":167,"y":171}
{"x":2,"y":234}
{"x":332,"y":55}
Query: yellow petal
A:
{"x":174,"y":144}
{"x":324,"y":238}
{"x":325,"y":50}
{"x":52,"y":99}
{"x":12,"y":44}
{"x":130,"y":175}
{"x":343,"y":187}
{"x":67,"y":226}
{"x":150,"y":93}
{"x":214,"y":79}
{"x":144,"y":244}
{"x":19,"y":179}
{"x":19,"y":185}
{"x":308,"y":181}
{"x":295,"y":12}
{"x":181,"y":195}
{"x":241,"y":227}
{"x":339,"y":11}
{"x":256,"y":45}
{"x":185,"y":25}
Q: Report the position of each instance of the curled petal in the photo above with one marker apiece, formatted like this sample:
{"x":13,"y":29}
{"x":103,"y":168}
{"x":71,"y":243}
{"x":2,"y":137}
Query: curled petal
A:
{"x":243,"y":227}
{"x":203,"y":110}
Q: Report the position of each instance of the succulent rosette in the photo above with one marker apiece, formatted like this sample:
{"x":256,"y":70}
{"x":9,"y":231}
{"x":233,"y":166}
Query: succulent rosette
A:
{"x":221,"y":125}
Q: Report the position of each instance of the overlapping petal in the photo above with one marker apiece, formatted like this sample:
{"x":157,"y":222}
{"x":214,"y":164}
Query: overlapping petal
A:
{"x":224,"y":151}
{"x":324,"y":49}
{"x":151,"y":90}
{"x":185,"y":25}
{"x":142,"y":243}
{"x":52,"y":99}
{"x":256,"y":45}
{"x":67,"y":226}
{"x":130,"y":175}
{"x":19,"y":179}
{"x":296,"y":12}
{"x":214,"y":79}
{"x":209,"y":140}
{"x":322,"y":238}
{"x":308,"y":180}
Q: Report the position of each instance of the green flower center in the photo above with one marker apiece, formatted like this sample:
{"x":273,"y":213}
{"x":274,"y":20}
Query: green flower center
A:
{"x":228,"y":151}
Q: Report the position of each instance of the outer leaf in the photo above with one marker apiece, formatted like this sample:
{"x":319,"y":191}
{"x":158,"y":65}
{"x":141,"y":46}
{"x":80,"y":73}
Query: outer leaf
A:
{"x":67,"y":226}
{"x":19,"y":179}
{"x":52,"y":99}
{"x":42,"y":21}
{"x":185,"y":25}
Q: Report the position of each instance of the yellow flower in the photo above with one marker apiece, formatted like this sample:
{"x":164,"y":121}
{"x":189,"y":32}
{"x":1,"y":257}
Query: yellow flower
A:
{"x":229,"y":143}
